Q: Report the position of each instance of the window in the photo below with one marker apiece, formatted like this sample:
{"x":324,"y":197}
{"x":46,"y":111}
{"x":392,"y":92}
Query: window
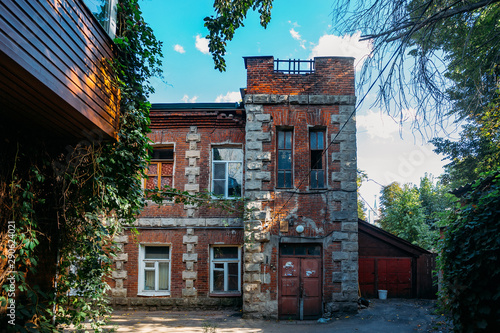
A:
{"x":225,"y":271}
{"x":317,"y":144}
{"x":227,"y":172}
{"x":105,"y":12}
{"x":161,"y":168}
{"x":300,"y":249}
{"x":285,"y":159}
{"x":154,"y":273}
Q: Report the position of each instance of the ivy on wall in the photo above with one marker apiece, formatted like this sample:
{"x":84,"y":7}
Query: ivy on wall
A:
{"x":68,"y":201}
{"x":470,"y":259}
{"x":64,"y":203}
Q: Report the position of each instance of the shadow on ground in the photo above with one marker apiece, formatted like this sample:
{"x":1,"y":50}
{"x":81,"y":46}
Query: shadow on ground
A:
{"x":392,"y":315}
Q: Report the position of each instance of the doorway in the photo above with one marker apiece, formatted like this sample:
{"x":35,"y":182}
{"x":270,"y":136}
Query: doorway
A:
{"x":300,"y":282}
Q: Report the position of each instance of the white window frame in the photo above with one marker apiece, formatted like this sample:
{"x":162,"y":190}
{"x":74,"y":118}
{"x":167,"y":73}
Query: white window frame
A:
{"x":226,"y":270}
{"x":142,"y":268}
{"x":226,"y":162}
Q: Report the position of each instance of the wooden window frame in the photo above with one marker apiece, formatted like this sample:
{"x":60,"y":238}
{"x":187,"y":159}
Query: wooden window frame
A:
{"x":280,"y":149}
{"x":227,"y":163}
{"x":318,"y":148}
{"x":159,"y":167}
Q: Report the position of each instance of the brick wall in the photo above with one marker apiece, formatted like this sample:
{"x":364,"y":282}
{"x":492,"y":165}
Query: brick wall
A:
{"x":320,"y":100}
{"x":188,"y":231}
{"x":332,"y":76}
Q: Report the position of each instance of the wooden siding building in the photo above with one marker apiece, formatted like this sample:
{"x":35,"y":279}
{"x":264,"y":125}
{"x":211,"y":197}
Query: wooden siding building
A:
{"x":54,"y":72}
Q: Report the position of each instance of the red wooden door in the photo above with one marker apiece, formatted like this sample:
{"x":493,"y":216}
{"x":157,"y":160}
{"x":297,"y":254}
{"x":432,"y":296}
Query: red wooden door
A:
{"x":367,"y":277}
{"x":300,"y":288}
{"x":391,"y":274}
{"x":394,"y":275}
{"x":310,"y":276}
{"x":290,"y":288}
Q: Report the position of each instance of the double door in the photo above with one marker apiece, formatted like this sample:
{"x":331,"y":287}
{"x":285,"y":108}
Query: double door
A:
{"x":300,"y":288}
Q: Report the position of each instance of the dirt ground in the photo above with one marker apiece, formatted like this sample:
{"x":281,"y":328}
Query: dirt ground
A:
{"x":388,"y":316}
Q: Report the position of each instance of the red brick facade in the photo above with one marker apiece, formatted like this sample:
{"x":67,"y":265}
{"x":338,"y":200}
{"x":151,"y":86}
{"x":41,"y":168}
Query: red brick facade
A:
{"x":313,"y":210}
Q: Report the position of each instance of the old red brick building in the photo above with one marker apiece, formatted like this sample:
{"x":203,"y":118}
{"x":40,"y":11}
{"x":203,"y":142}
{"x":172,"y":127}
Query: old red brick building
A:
{"x":290,"y":149}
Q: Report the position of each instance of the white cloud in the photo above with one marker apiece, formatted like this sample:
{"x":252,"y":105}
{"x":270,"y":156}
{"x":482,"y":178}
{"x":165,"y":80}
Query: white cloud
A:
{"x":295,"y":34}
{"x":231,"y":96}
{"x":346,"y":46}
{"x":186,"y":99}
{"x":202,"y":44}
{"x":377,"y":125}
{"x":179,"y":48}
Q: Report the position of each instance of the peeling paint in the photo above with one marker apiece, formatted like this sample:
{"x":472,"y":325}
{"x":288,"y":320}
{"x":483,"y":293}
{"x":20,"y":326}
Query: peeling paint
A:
{"x":289,"y":269}
{"x":309,"y":273}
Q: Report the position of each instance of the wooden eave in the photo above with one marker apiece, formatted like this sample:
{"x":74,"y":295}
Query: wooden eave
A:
{"x":54,"y":72}
{"x":384,"y":236}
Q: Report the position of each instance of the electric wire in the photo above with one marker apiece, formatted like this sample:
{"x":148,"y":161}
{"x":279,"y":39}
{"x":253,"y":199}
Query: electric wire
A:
{"x":345,"y":123}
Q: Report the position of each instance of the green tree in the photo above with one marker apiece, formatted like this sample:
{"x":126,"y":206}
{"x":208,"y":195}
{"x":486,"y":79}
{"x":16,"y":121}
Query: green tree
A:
{"x":67,"y":202}
{"x":470,"y":258}
{"x":477,"y":150}
{"x":402,"y":214}
{"x":436,"y":201}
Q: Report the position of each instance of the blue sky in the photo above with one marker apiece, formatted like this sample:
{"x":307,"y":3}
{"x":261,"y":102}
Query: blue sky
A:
{"x":298,"y":30}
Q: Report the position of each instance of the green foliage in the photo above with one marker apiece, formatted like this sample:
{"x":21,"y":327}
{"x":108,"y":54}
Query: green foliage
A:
{"x":402,"y":214}
{"x":477,"y":150}
{"x":74,"y":200}
{"x":470,"y":259}
{"x":229,"y":17}
{"x":415,"y":213}
{"x":200,"y":199}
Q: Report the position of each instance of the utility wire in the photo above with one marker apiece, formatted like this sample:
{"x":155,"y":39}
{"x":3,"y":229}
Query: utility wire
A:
{"x":366,"y":202}
{"x":345,"y":123}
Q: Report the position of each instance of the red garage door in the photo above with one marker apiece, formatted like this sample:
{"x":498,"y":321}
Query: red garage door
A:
{"x":391,"y":274}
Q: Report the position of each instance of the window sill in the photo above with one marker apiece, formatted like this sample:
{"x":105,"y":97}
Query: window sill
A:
{"x":234,"y":294}
{"x":164,"y":202}
{"x":153,"y":293}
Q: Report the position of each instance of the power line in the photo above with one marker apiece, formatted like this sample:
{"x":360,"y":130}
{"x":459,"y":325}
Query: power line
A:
{"x":345,"y":123}
{"x":366,"y":202}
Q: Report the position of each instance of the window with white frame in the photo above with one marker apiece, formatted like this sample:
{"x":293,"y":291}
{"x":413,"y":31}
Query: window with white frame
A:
{"x":225,"y":269}
{"x":154,"y":273}
{"x":227,"y":172}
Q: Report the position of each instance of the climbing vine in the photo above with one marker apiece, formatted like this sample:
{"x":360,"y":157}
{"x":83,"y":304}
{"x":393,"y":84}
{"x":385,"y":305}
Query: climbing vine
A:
{"x":470,"y":259}
{"x":67,"y":202}
{"x":63,"y":204}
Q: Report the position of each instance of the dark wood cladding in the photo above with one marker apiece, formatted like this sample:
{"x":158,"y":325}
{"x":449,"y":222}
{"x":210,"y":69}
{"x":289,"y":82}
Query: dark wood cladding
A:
{"x":54,"y":72}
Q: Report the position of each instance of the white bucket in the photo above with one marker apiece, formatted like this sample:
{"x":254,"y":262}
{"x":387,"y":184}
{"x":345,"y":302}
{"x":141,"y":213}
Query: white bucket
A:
{"x":382,"y":294}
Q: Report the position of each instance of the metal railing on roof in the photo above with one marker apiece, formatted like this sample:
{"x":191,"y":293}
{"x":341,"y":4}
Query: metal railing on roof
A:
{"x":294,"y":66}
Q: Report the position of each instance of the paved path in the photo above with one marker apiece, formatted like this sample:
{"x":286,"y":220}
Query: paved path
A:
{"x":389,"y":316}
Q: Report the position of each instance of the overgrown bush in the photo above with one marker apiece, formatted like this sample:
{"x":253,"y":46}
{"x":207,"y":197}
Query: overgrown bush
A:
{"x":470,"y":259}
